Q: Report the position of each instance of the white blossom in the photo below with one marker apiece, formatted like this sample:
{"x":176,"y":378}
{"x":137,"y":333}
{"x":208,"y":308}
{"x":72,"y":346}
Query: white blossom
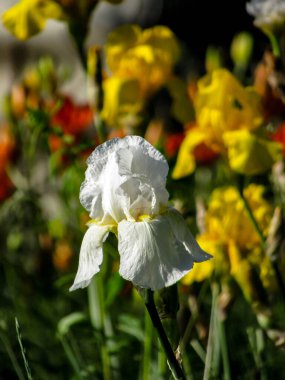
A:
{"x":269,"y":14}
{"x":124,"y":192}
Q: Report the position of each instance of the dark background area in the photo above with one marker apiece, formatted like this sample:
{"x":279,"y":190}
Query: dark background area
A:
{"x":203,"y":23}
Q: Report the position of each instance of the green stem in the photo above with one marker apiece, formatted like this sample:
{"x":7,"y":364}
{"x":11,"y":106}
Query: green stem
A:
{"x":213,"y":347}
{"x":71,"y":357}
{"x":274,"y":40}
{"x":256,"y":340}
{"x":253,"y":220}
{"x":97,"y":316}
{"x":224,"y":350}
{"x":176,"y":370}
{"x":23,"y":351}
{"x":12,"y":356}
{"x":162,"y":364}
{"x":184,"y":341}
{"x":146,"y":364}
{"x":187,"y":368}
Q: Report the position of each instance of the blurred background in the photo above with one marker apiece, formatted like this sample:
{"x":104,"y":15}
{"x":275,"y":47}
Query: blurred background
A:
{"x":202,"y":83}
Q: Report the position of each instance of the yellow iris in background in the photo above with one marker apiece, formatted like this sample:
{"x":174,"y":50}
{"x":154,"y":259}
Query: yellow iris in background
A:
{"x":145,"y":55}
{"x":123,"y":102}
{"x":140,"y":62}
{"x":29,"y":17}
{"x":232,"y":239}
{"x":228,"y":121}
{"x":249,"y":153}
{"x":222,"y":104}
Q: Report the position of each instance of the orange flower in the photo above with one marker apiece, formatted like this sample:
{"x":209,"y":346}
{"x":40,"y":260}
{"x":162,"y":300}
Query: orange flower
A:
{"x":62,"y":255}
{"x":71,"y":118}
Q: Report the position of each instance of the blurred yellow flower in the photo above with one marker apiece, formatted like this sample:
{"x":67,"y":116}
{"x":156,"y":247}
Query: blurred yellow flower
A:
{"x":122,"y":102}
{"x":28,"y":17}
{"x":185,"y":163}
{"x":218,"y":263}
{"x":146,"y":55}
{"x":232,"y":239}
{"x":250,"y":154}
{"x":222,"y":104}
{"x":181,"y":108}
{"x":228,"y":120}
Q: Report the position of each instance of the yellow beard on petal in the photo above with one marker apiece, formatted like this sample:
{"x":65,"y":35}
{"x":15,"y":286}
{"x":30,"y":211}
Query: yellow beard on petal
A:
{"x":144,"y":218}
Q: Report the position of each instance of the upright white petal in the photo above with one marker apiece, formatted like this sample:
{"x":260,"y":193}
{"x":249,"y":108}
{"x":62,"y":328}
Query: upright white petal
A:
{"x":157,"y":253}
{"x":98,"y":193}
{"x":267,"y":13}
{"x":123,"y":177}
{"x":91,"y":255}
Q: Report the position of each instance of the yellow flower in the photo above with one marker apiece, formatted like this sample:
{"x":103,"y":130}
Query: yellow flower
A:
{"x":28,"y":17}
{"x":227,"y":218}
{"x":250,"y":154}
{"x":148,"y":56}
{"x":185,"y":163}
{"x":222,"y":104}
{"x":181,"y":108}
{"x":228,"y":122}
{"x":202,"y":272}
{"x":122,"y":102}
{"x":232,"y":239}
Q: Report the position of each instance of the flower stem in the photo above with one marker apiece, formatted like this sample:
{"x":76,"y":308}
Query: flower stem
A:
{"x":275,"y":44}
{"x":97,"y":316}
{"x":256,"y":341}
{"x":212,"y":360}
{"x":176,"y":370}
{"x":162,"y":365}
{"x":23,"y":351}
{"x":184,"y":341}
{"x":146,"y":364}
{"x":224,"y":349}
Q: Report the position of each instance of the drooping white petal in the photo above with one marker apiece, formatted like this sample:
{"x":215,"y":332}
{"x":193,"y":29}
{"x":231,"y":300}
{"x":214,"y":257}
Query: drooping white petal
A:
{"x":91,"y":255}
{"x":124,"y":175}
{"x":184,"y":235}
{"x":154,"y":253}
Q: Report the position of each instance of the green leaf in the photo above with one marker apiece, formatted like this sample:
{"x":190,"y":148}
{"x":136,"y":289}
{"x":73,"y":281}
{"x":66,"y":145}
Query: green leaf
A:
{"x":68,"y":321}
{"x":114,"y":285}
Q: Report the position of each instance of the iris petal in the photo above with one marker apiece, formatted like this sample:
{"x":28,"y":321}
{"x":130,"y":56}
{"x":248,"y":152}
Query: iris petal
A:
{"x":123,"y":176}
{"x":157,"y":253}
{"x":91,"y":255}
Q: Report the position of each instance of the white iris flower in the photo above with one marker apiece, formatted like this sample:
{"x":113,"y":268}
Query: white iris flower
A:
{"x":269,"y":14}
{"x":124,"y":192}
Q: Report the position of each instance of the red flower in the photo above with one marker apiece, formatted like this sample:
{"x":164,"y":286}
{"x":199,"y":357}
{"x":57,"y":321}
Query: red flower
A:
{"x":279,"y":136}
{"x":173,"y":143}
{"x":204,"y":155}
{"x":6,"y":186}
{"x":71,"y":118}
{"x":6,"y":150}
